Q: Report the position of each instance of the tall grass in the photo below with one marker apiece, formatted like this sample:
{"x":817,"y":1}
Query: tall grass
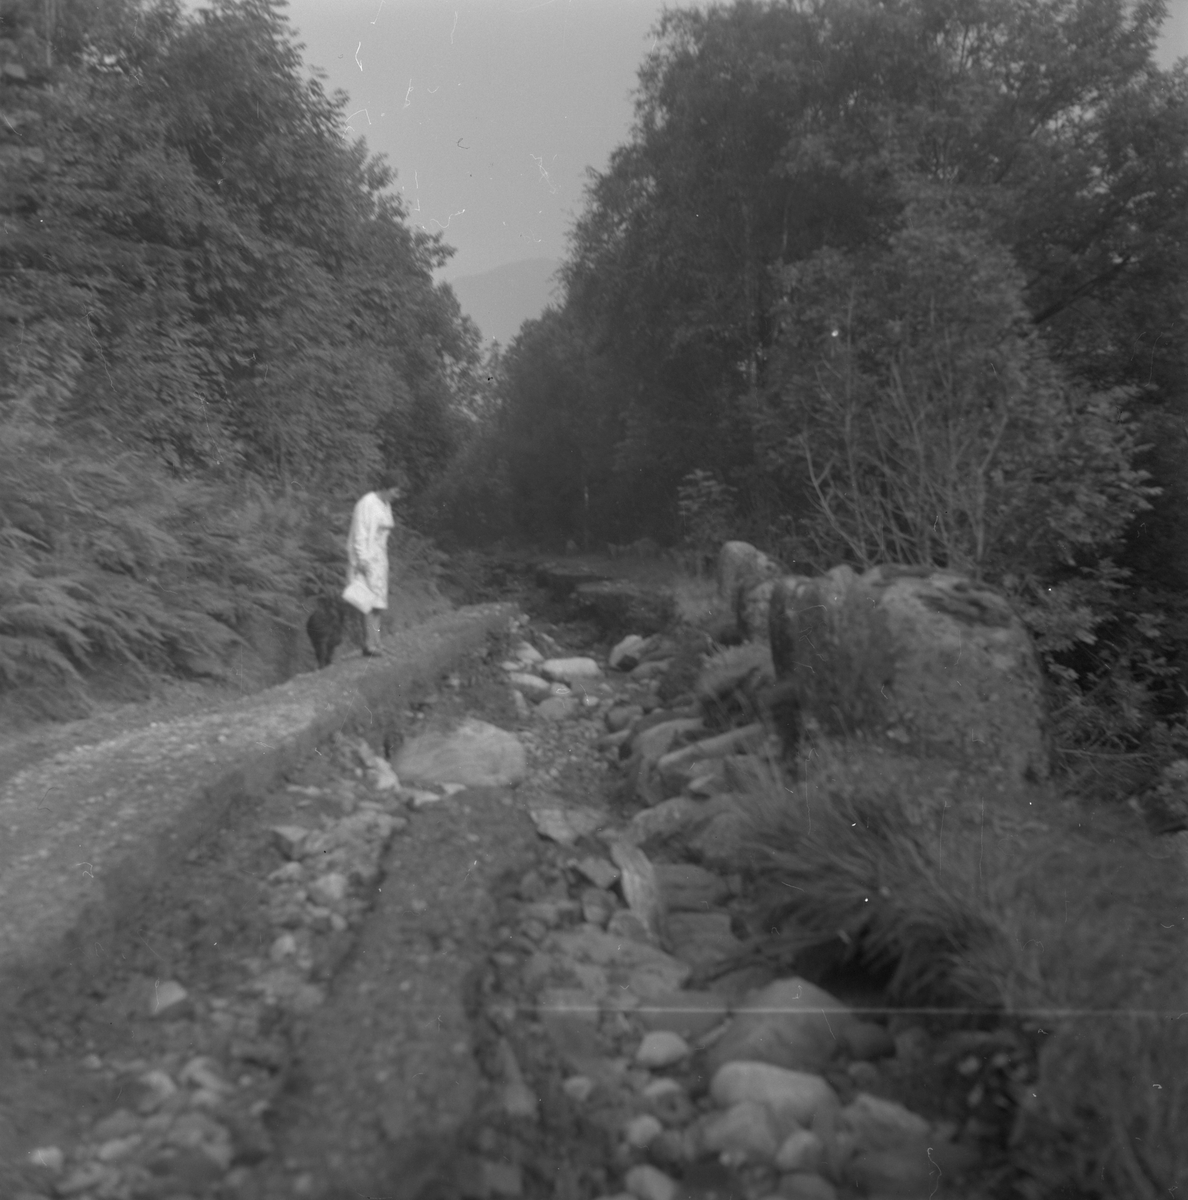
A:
{"x":108,"y":558}
{"x":1013,"y":900}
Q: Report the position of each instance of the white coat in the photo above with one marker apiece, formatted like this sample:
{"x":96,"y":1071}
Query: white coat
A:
{"x":367,"y":554}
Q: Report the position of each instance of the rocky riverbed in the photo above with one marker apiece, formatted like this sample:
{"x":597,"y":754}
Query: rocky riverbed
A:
{"x":510,"y":964}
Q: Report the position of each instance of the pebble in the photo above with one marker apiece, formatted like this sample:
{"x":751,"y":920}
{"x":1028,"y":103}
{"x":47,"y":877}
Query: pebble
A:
{"x":169,"y":999}
{"x":743,"y":1133}
{"x":642,"y":1130}
{"x":802,"y":1151}
{"x":661,"y":1048}
{"x":646,"y":1182}
{"x":578,"y":1088}
{"x":49,"y":1158}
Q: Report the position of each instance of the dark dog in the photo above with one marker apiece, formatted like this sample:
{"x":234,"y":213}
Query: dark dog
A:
{"x":326,"y":625}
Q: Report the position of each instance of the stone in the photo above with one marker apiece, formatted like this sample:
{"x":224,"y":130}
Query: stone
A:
{"x":517,"y":1098}
{"x":688,"y":887}
{"x":203,"y":1072}
{"x":646,"y":1182}
{"x":578,"y":1088}
{"x":801,"y":1150}
{"x":569,"y":1002}
{"x":558,"y":708}
{"x":789,"y":1023}
{"x":522,"y":707}
{"x":159,"y":1086}
{"x":330,"y":888}
{"x":642,"y":1130}
{"x":598,"y":871}
{"x":795,"y":1098}
{"x":634,"y":964}
{"x":619,"y":718}
{"x":532,"y":686}
{"x":169,"y":1000}
{"x":746,"y":738}
{"x":744,"y":1133}
{"x":805,"y":1185}
{"x":48,"y":1158}
{"x":905,"y":1171}
{"x":525,"y":652}
{"x":598,"y":906}
{"x":939,"y":663}
{"x":566,"y":825}
{"x":741,"y":566}
{"x":702,"y":939}
{"x":879,"y":1124}
{"x":687,"y":1013}
{"x":569,"y":670}
{"x":115,"y":1125}
{"x":475,"y":754}
{"x":502,"y":1178}
{"x":640,"y":887}
{"x":661,"y":1048}
{"x":678,"y":818}
{"x":720,"y":839}
{"x":626,"y":653}
{"x":289,"y":839}
{"x":667,"y":1100}
{"x":867,"y":1040}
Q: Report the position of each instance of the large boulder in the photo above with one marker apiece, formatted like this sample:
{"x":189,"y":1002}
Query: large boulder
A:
{"x":474,"y":754}
{"x":746,"y":577}
{"x":927,"y":658}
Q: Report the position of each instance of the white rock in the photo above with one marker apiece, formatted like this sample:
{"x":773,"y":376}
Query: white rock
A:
{"x":743,"y":1133}
{"x":381,"y":776}
{"x":289,"y":839}
{"x":646,"y":1182}
{"x":160,"y":1084}
{"x":879,"y":1124}
{"x":598,"y":871}
{"x":421,"y":797}
{"x":794,"y":1095}
{"x":566,"y":670}
{"x":523,"y":708}
{"x":566,"y":825}
{"x":531,"y":686}
{"x":284,"y":947}
{"x":578,"y":1088}
{"x":330,"y":888}
{"x":203,"y":1072}
{"x":116,"y":1148}
{"x":49,"y":1158}
{"x":625,"y":654}
{"x":169,"y":999}
{"x":661,"y":1048}
{"x":558,"y":708}
{"x":642,"y":1130}
{"x":475,"y":754}
{"x":802,"y":1151}
{"x":527,"y":653}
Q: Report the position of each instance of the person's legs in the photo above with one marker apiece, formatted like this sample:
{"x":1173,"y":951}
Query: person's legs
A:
{"x":371,"y":627}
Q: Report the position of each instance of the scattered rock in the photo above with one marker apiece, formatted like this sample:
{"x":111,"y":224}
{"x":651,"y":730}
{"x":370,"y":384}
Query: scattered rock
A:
{"x":646,"y":1182}
{"x":640,"y":887}
{"x":289,"y":839}
{"x":687,"y":1013}
{"x":744,"y":1133}
{"x":570,"y":670}
{"x":626,"y":653}
{"x":502,"y":1178}
{"x":800,"y":1151}
{"x":532,"y":686}
{"x":475,"y":754}
{"x":879,"y":1124}
{"x":578,"y":1088}
{"x":598,"y":871}
{"x":48,"y":1158}
{"x":688,"y":887}
{"x":791,"y":1096}
{"x":702,"y":939}
{"x":169,"y":1000}
{"x":642,"y":1130}
{"x":805,"y":1185}
{"x":566,"y":825}
{"x":790,"y":1023}
{"x":661,"y":1048}
{"x":558,"y":708}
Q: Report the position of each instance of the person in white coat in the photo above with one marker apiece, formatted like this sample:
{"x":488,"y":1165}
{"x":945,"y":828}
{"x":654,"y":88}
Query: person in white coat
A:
{"x":367,"y":560}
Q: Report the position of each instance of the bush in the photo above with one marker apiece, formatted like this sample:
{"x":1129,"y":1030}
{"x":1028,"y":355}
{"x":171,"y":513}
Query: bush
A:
{"x":1073,"y":922}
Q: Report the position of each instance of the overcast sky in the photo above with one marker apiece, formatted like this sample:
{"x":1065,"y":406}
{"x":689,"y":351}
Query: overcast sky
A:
{"x":491,"y":110}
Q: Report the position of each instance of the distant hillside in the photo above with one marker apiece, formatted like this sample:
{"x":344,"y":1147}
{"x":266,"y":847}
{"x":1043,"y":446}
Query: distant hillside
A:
{"x":500,"y":300}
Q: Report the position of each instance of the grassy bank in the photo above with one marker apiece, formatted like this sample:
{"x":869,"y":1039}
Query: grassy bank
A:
{"x":1013,"y":904}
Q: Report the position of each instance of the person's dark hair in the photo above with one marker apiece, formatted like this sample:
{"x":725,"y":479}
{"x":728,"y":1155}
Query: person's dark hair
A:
{"x":392,"y":478}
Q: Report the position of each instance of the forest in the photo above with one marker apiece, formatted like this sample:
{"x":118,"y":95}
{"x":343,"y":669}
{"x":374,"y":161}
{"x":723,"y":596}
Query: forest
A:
{"x":868,"y":281}
{"x":887,"y":282}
